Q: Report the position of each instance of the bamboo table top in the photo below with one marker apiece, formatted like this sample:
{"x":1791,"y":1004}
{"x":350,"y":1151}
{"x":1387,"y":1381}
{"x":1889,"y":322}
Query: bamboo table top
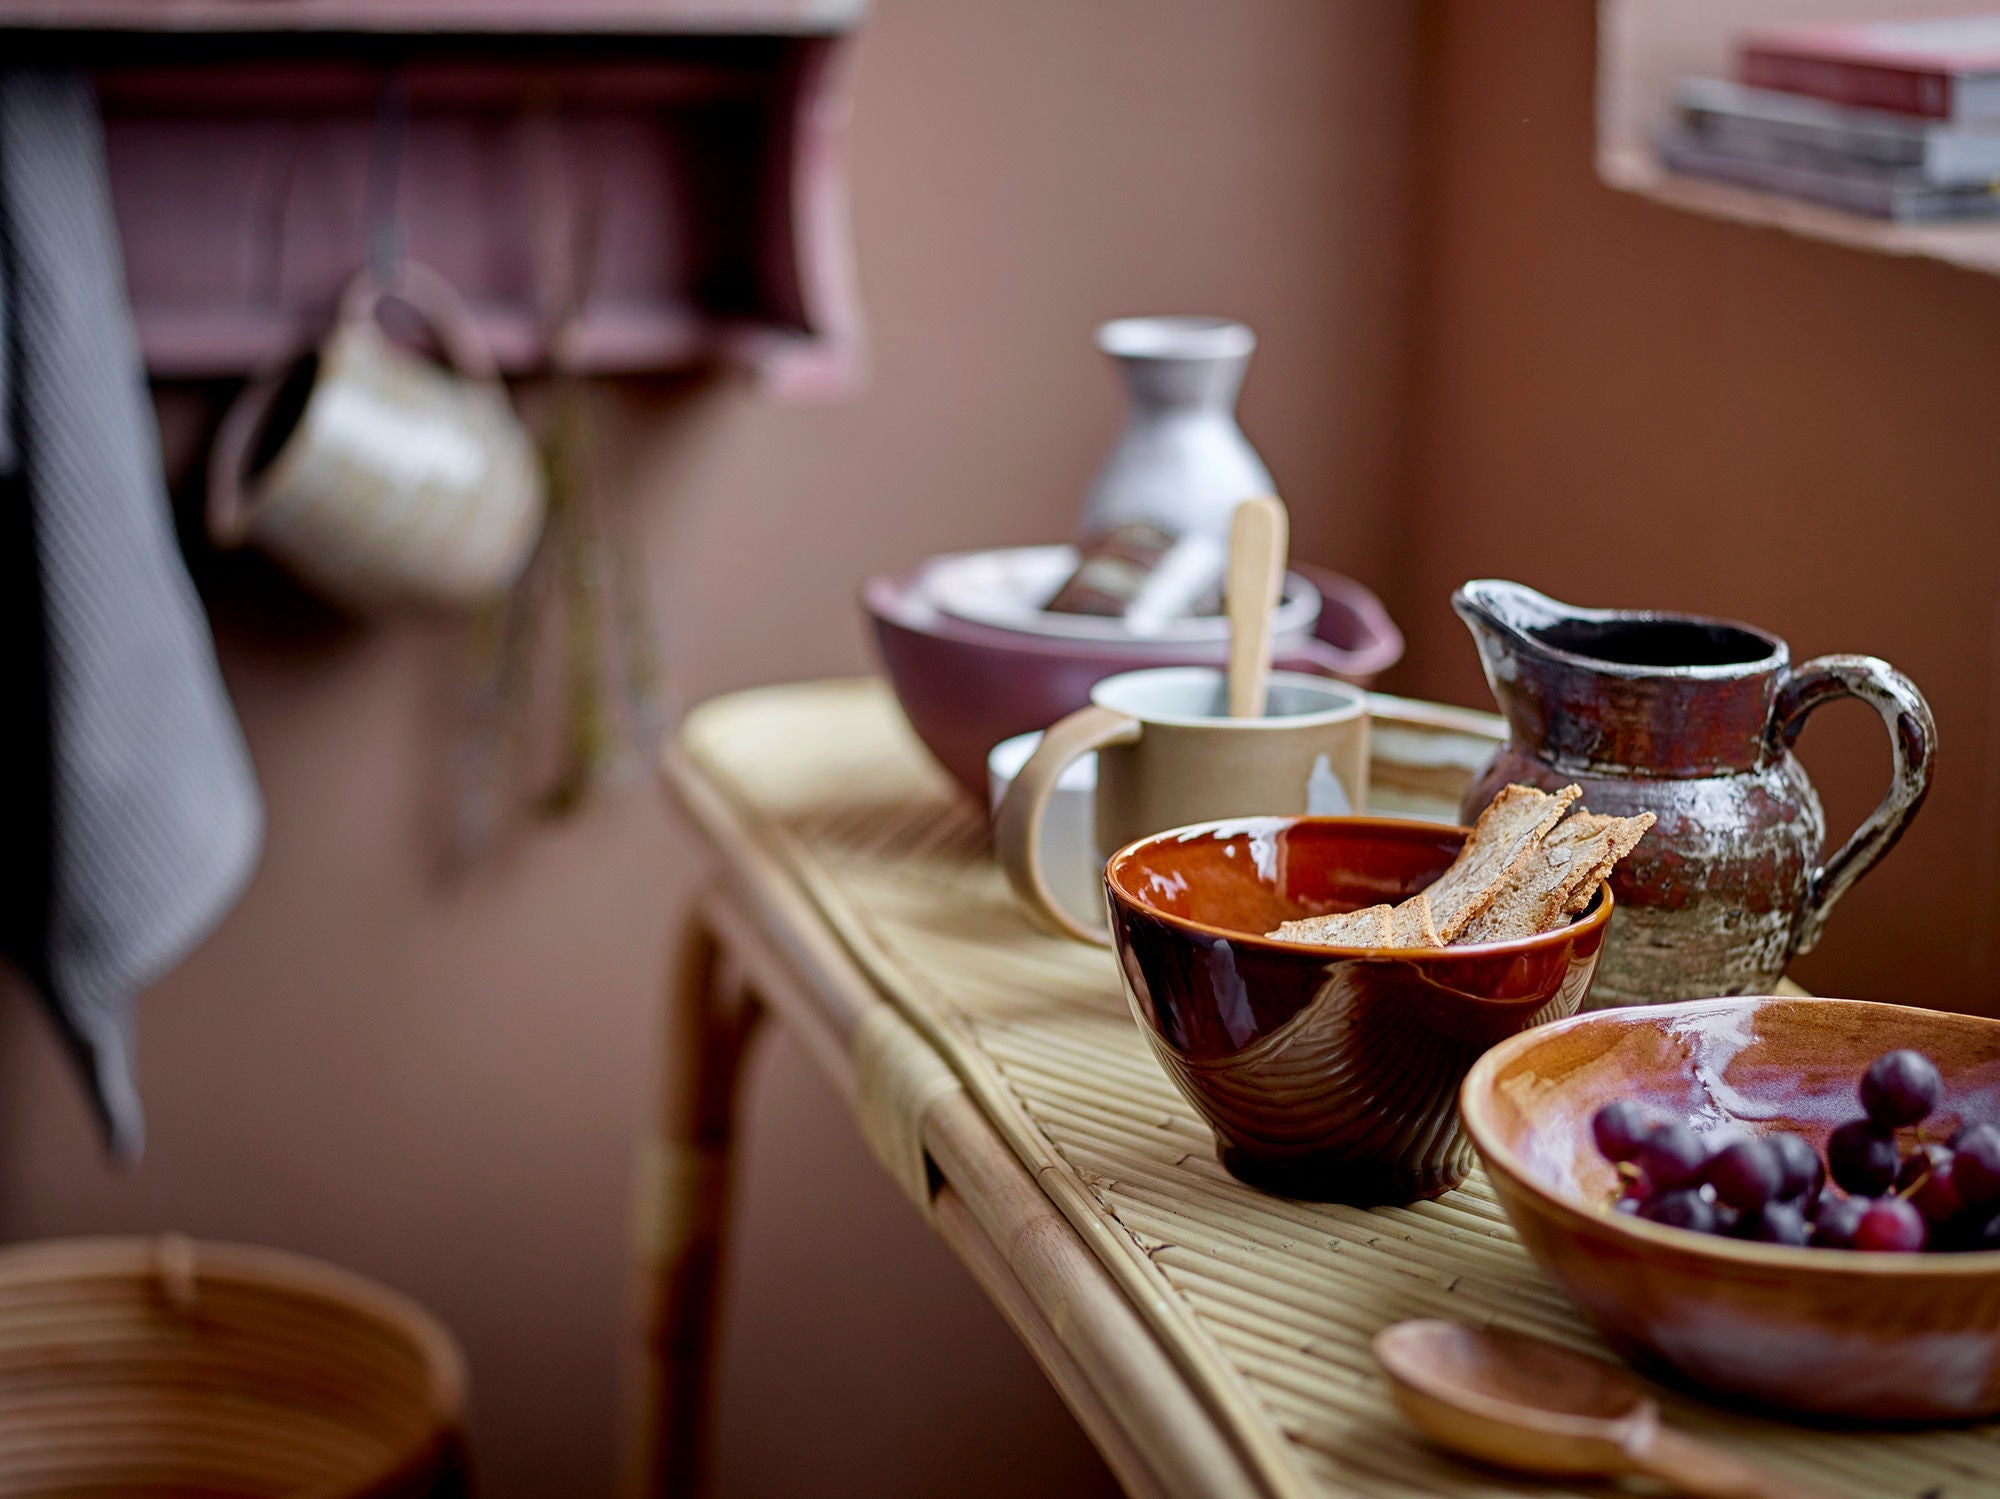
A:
{"x":1265,"y":1306}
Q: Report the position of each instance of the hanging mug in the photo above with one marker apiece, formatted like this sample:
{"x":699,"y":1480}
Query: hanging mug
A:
{"x":379,"y":477}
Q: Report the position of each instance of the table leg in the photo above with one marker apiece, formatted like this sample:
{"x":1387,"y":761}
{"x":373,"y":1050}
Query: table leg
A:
{"x":682,"y":1211}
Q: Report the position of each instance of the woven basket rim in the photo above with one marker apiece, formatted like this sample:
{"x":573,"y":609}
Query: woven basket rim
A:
{"x":109,"y":1259}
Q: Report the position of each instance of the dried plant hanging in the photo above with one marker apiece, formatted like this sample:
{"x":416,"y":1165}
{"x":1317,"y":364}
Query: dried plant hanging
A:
{"x":587,"y":581}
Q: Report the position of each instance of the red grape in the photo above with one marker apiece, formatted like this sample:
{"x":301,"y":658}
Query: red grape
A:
{"x":1862,"y":1158}
{"x":1746,"y":1174}
{"x":1900,"y":1087}
{"x":1838,"y":1218}
{"x":1671,"y":1156}
{"x":1977,"y":1168}
{"x":1927,"y":1181}
{"x":1778,"y":1223}
{"x":1681,"y":1209}
{"x":1801,"y":1165}
{"x":1890,"y":1224}
{"x":1985,"y":1236}
{"x":1618,"y":1129}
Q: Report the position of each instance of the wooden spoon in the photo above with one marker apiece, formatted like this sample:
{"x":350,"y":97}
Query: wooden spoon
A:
{"x":1523,"y":1403}
{"x":1259,"y":534}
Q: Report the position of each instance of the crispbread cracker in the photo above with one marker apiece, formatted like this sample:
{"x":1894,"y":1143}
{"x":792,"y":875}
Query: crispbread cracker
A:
{"x":1368,"y":927}
{"x":1620,"y":838}
{"x":1506,"y":834}
{"x":1529,"y":865}
{"x":1411,"y":923}
{"x":1558,"y":878}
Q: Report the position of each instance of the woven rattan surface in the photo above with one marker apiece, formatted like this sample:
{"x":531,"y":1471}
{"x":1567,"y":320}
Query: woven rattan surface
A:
{"x":1266,"y":1305}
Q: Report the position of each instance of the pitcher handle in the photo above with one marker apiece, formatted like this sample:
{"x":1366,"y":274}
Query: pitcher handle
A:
{"x":1017,"y":825}
{"x":1912,"y":743}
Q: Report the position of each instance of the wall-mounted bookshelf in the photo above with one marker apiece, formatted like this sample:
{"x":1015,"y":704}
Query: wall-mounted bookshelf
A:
{"x":1644,"y":46}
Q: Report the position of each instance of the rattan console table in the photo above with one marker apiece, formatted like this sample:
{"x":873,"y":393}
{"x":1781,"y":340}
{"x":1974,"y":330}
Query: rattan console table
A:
{"x":1212,"y":1340}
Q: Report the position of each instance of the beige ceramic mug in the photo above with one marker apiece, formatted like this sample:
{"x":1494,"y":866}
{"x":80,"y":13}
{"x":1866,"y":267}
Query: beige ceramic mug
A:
{"x":379,"y":477}
{"x":1169,"y":754}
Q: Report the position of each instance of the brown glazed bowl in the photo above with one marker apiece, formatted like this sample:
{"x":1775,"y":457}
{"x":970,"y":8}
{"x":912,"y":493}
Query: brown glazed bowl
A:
{"x":1326,"y":1072}
{"x":1828,"y":1332}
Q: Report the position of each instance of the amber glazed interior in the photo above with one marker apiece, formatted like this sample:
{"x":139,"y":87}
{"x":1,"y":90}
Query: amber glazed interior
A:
{"x":1831,"y":1333}
{"x":1326,"y":1073}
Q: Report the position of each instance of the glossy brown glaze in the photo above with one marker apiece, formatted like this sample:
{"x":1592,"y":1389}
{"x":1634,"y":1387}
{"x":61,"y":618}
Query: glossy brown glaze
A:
{"x":1693,"y":720}
{"x":1877,"y":1337}
{"x":1327,"y":1073}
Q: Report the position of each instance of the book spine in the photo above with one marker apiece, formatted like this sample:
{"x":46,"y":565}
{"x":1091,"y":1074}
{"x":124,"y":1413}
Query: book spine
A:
{"x":1909,"y":91}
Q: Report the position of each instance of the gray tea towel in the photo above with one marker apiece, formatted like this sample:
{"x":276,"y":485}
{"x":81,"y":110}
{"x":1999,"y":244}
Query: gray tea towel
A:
{"x":130,"y":820}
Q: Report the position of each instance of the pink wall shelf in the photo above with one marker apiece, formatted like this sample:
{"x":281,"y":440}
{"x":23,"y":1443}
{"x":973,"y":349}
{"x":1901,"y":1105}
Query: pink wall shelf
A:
{"x":676,"y":163}
{"x":542,"y":16}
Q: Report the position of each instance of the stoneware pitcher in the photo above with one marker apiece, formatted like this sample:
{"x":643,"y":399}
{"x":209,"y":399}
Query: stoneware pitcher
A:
{"x":1693,"y":720}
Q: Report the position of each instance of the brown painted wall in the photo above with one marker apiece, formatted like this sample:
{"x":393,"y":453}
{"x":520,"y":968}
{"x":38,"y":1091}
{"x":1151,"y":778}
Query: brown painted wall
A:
{"x":1625,"y":404}
{"x":440,"y":1085}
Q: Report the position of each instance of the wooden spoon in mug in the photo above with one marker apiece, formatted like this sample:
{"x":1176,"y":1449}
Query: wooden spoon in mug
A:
{"x":1526,"y":1404}
{"x":1259,"y":534}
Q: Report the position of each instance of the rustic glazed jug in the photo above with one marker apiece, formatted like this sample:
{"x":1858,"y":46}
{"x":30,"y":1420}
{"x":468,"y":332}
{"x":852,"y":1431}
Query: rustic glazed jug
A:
{"x":1693,"y":720}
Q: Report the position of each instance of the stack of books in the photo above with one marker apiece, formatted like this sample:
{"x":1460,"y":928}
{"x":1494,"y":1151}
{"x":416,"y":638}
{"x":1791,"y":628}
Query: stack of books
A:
{"x":1895,"y":119}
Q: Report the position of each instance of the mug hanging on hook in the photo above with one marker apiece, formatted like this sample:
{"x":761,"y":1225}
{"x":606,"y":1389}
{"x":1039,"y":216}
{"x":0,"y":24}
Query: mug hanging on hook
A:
{"x":376,"y":476}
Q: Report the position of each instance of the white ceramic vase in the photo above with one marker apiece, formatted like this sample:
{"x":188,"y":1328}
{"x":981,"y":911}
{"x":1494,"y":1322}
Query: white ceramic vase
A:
{"x":1181,"y":462}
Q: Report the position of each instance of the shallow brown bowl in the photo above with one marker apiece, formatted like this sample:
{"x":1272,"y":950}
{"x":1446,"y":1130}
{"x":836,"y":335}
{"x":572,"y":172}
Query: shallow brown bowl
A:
{"x":1326,"y":1072}
{"x":1873,"y":1337}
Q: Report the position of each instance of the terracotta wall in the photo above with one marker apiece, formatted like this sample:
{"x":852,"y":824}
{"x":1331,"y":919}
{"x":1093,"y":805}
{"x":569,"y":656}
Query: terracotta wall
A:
{"x":1625,"y":404}
{"x":439,"y":1083}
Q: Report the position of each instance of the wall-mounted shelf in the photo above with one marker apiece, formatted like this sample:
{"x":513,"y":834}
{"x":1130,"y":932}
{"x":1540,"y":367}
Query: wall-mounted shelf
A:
{"x":645,"y":17}
{"x":687,"y":150}
{"x":1644,"y":46}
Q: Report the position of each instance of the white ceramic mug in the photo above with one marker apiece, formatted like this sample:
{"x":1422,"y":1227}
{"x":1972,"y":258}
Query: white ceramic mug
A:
{"x":379,"y":477}
{"x":1169,"y":754}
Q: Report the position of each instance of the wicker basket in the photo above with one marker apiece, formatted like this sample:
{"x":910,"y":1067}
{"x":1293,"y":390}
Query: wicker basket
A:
{"x":156,"y":1367}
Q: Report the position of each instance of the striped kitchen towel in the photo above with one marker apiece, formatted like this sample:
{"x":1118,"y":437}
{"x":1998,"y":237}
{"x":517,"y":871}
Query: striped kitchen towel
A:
{"x":132,"y":819}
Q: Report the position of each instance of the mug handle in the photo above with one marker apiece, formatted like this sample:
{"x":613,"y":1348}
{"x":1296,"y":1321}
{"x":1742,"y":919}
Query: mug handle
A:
{"x":1017,"y":826}
{"x":434,"y":300}
{"x":228,"y":509}
{"x":1912,"y":743}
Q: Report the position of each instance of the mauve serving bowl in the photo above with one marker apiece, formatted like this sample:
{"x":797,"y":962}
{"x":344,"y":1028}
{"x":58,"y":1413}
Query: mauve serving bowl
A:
{"x":965,"y":686}
{"x":1326,"y":1072}
{"x":1827,"y":1332}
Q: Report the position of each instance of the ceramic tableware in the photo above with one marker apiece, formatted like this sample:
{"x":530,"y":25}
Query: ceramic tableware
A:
{"x":1527,"y":1404}
{"x":1169,"y":753}
{"x":1074,"y":867}
{"x":1008,"y":587}
{"x":379,"y":477}
{"x":1326,"y":1073}
{"x":1181,"y":462}
{"x":965,"y":687}
{"x":1835,"y":1333}
{"x":1691,"y":719}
